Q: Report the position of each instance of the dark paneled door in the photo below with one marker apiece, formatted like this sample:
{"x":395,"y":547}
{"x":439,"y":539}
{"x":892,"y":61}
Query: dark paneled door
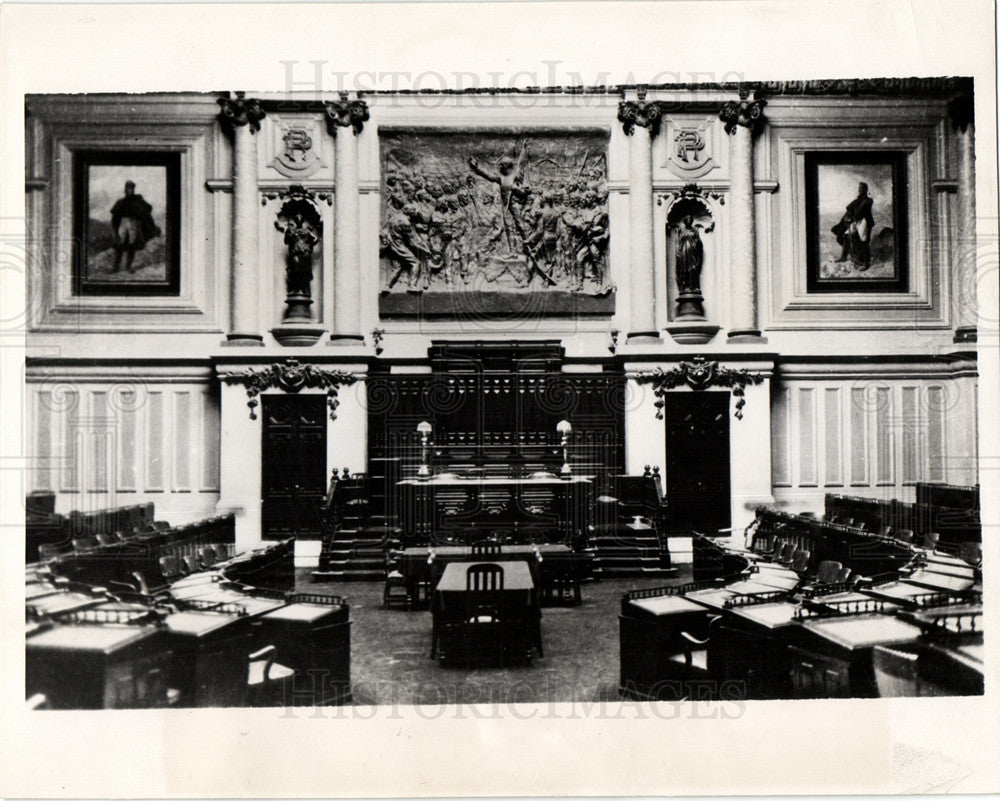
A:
{"x":698,"y":490}
{"x":293,"y":479}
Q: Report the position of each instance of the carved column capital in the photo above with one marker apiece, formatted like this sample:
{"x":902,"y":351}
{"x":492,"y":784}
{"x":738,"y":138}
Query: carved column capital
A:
{"x":746,"y":113}
{"x":962,"y":112}
{"x":644,"y":115}
{"x":241,"y":110}
{"x":344,"y":112}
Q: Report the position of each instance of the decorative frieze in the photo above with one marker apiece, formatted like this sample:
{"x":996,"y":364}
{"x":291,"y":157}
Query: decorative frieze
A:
{"x":699,"y":374}
{"x":291,"y":376}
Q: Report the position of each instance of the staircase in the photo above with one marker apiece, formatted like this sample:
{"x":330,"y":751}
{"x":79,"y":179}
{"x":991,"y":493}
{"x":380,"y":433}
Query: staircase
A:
{"x":628,"y":551}
{"x":360,"y":526}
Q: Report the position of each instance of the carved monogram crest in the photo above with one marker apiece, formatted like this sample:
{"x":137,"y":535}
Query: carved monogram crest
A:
{"x":291,"y":376}
{"x":297,"y":159}
{"x":699,"y":374}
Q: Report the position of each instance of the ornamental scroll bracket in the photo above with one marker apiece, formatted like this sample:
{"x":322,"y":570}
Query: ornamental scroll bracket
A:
{"x":698,"y":374}
{"x":291,"y":376}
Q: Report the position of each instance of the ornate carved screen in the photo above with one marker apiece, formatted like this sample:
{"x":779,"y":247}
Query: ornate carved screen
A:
{"x":493,"y":409}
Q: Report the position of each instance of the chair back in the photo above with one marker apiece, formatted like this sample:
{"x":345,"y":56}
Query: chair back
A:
{"x":971,"y":552}
{"x":904,"y":535}
{"x":207,"y":556}
{"x":931,"y":539}
{"x":170,"y":567}
{"x":844,"y":574}
{"x":485,"y":548}
{"x":191,"y":564}
{"x":484,"y":577}
{"x":828,"y":571}
{"x":800,"y":560}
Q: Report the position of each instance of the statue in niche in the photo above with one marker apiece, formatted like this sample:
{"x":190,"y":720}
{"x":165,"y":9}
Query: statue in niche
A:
{"x":465,"y":212}
{"x":302,"y":227}
{"x":690,"y":254}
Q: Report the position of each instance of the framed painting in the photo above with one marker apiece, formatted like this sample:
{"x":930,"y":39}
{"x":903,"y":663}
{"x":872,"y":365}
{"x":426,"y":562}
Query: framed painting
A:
{"x":856,"y":228}
{"x":126,"y":223}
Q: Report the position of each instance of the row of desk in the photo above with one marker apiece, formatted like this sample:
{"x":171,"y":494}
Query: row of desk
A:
{"x":770,"y":634}
{"x":87,"y":649}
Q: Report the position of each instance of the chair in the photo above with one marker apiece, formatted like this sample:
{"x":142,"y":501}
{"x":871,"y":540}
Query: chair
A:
{"x":222,"y":552}
{"x":395,"y":593}
{"x":268,"y":682}
{"x":971,"y":553}
{"x":191,"y":564}
{"x":786,"y":553}
{"x":828,"y":572}
{"x":800,"y":560}
{"x":38,"y":701}
{"x":485,"y":548}
{"x":484,"y":577}
{"x":896,"y":673}
{"x":106,"y":539}
{"x":904,"y":535}
{"x":207,"y":556}
{"x":561,"y":582}
{"x":931,"y":540}
{"x":47,"y":552}
{"x":171,"y":568}
{"x":159,"y":525}
{"x":844,"y":574}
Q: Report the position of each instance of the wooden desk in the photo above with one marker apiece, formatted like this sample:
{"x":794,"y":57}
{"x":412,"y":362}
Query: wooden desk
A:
{"x":468,"y":509}
{"x":99,"y":666}
{"x":835,"y":660}
{"x":210,"y":660}
{"x":516,"y":609}
{"x":314,"y":639}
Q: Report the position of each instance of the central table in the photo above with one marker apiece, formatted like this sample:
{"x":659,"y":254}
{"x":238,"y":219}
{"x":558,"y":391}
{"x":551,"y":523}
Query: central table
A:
{"x":466,"y":620}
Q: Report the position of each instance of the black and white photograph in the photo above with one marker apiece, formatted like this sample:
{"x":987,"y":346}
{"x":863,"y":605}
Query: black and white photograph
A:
{"x":374,"y":435}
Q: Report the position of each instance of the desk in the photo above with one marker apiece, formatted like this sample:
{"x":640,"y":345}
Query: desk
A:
{"x":98,"y":667}
{"x":314,"y":639}
{"x":516,"y":615}
{"x":416,"y":568}
{"x":468,"y":509}
{"x":649,"y":640}
{"x":210,"y":661}
{"x":836,"y":658}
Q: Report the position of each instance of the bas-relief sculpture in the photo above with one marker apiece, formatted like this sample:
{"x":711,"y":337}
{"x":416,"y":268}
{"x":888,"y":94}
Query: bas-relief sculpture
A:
{"x":494,"y":213}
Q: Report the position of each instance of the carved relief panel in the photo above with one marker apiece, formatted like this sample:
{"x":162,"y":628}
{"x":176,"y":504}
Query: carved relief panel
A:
{"x":689,"y":146}
{"x":295,"y":146}
{"x":494,"y":218}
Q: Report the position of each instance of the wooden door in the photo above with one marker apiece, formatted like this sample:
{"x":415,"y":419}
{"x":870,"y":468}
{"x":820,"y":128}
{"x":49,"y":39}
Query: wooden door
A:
{"x":293,"y":480}
{"x":697,"y":476}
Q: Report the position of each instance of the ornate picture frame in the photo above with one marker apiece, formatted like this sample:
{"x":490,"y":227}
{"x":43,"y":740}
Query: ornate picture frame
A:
{"x":856,"y":221}
{"x":126,"y":222}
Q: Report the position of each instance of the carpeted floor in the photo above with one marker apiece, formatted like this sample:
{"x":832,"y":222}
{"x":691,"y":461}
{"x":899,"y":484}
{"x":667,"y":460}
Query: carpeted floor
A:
{"x":391,"y":664}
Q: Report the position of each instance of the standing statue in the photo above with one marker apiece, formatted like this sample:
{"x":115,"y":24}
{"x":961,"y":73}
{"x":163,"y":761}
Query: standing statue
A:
{"x":690,"y":255}
{"x":300,"y":223}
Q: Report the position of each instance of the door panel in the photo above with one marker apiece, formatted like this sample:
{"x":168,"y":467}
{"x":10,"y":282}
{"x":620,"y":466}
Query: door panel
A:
{"x":698,"y":488}
{"x":293,"y":479}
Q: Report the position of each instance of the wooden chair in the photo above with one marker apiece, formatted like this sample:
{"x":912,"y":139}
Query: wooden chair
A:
{"x":268,"y":682}
{"x":931,"y":539}
{"x":191,"y":564}
{"x":207,"y":557}
{"x":828,"y":571}
{"x":485,"y":548}
{"x":786,"y":554}
{"x":904,"y":535}
{"x":844,"y":574}
{"x":171,"y":568}
{"x":483,"y":578}
{"x":395,"y":593}
{"x":561,"y":582}
{"x":971,"y":553}
{"x":106,"y":539}
{"x":800,"y":560}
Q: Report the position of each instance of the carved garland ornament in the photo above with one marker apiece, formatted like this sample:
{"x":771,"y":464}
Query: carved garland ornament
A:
{"x":699,"y":374}
{"x":291,"y":376}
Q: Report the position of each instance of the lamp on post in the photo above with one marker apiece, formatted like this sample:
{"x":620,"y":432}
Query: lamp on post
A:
{"x":424,"y":429}
{"x":564,"y":428}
